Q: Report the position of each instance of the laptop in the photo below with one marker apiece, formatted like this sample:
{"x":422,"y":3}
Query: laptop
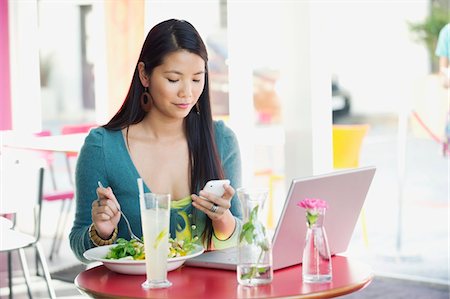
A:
{"x":345,"y":192}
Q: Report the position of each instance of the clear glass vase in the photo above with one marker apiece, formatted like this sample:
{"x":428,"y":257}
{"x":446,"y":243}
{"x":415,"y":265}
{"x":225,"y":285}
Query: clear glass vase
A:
{"x":316,"y":264}
{"x":254,"y":248}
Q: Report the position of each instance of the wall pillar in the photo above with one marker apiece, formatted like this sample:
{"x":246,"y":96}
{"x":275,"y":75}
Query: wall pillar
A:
{"x":5,"y":88}
{"x":124,"y":39}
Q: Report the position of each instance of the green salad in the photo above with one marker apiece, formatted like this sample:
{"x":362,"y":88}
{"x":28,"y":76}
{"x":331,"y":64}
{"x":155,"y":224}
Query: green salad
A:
{"x":135,"y":250}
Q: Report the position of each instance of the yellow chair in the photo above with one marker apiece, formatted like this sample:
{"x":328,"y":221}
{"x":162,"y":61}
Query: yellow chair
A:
{"x":347,"y":141}
{"x":272,"y":179}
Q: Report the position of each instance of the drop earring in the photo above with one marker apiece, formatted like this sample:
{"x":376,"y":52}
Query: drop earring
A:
{"x":197,"y":107}
{"x":146,"y":100}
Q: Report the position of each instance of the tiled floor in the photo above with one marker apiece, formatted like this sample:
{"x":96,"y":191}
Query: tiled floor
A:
{"x":39,"y":288}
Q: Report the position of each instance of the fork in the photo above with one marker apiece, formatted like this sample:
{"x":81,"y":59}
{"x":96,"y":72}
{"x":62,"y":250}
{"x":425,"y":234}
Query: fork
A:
{"x":133,"y":236}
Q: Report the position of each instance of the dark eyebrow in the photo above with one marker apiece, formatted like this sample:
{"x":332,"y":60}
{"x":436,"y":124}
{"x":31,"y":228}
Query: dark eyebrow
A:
{"x":179,"y":73}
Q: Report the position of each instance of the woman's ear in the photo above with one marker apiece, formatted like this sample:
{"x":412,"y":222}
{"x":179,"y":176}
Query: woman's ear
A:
{"x":143,"y":76}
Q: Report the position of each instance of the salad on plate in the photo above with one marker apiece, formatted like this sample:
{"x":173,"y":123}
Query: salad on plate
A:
{"x":128,"y":257}
{"x":134,"y":250}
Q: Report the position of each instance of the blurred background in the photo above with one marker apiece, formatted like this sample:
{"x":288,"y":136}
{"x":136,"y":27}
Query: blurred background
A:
{"x":283,"y":75}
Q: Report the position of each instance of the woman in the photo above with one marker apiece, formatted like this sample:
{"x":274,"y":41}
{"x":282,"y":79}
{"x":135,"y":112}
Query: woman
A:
{"x":163,"y":133}
{"x":443,"y":52}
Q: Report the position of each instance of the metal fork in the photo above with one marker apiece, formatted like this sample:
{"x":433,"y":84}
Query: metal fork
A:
{"x":133,"y":236}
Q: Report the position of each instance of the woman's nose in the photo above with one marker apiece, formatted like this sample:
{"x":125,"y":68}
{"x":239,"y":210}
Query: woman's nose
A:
{"x":186,"y":90}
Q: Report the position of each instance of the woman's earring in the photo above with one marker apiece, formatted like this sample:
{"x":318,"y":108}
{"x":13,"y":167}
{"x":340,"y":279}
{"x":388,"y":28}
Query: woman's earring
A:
{"x":146,"y":100}
{"x":197,"y":107}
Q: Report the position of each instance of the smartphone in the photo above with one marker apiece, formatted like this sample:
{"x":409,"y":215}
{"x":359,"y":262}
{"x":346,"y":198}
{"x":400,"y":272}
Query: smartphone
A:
{"x":216,"y":187}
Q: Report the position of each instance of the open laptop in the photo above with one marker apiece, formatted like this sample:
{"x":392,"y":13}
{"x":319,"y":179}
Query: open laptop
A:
{"x":344,"y":191}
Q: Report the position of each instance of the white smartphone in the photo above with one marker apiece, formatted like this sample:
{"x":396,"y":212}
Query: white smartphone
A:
{"x":216,"y":187}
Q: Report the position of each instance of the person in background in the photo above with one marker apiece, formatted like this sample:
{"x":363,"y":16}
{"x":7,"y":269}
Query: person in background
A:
{"x":443,"y":52}
{"x":163,"y":133}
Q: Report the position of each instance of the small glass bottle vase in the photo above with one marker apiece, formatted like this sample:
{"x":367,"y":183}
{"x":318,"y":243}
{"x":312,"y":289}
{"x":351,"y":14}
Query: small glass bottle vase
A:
{"x":316,"y":264}
{"x":254,"y":248}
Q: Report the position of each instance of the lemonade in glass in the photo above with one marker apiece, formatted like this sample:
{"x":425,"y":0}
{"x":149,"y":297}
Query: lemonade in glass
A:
{"x":155,"y":217}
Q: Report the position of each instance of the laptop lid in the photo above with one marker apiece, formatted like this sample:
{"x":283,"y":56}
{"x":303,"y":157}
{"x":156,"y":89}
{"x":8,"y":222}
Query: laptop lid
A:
{"x":345,"y":192}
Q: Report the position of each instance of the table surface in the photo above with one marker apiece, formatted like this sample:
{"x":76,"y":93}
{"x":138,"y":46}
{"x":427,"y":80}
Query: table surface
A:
{"x":70,"y":143}
{"x":12,"y":239}
{"x":190,"y":282}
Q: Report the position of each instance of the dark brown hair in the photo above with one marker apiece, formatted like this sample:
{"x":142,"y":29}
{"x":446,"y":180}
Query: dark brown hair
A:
{"x":165,"y":38}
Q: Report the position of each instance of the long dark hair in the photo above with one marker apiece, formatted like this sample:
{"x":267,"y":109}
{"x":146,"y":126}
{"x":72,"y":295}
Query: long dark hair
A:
{"x":165,"y":38}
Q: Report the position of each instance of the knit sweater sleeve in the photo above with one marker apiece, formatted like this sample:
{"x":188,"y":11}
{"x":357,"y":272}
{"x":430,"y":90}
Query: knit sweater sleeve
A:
{"x":231,"y":161}
{"x":90,"y":169}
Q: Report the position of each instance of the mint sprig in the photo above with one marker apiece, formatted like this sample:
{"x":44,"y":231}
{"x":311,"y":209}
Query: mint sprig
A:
{"x":255,"y":233}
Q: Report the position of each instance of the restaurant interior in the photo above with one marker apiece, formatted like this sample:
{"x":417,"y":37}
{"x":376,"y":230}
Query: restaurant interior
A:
{"x":308,"y":87}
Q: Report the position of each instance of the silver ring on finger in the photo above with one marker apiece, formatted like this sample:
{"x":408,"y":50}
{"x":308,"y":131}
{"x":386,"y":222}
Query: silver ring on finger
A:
{"x":214,"y":208}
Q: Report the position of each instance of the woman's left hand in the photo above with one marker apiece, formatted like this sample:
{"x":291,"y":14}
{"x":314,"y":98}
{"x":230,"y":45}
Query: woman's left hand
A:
{"x":214,"y":206}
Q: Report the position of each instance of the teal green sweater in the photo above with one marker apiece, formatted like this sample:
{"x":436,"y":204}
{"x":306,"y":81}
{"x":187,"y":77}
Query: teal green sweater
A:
{"x":104,"y":157}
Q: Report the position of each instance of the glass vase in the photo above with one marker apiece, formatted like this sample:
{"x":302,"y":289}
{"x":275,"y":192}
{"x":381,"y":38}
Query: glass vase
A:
{"x":316,"y":264}
{"x":254,"y":247}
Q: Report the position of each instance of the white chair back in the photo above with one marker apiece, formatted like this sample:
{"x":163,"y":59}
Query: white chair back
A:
{"x":21,"y":187}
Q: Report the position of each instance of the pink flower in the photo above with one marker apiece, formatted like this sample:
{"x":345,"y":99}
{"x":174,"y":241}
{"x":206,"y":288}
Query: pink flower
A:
{"x":314,"y":207}
{"x":313,"y":204}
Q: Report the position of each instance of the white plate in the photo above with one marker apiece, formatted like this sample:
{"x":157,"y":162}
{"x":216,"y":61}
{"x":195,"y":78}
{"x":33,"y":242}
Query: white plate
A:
{"x":135,"y":267}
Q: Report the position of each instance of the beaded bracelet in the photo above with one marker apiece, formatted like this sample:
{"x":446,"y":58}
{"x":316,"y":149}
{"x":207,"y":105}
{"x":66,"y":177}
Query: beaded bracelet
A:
{"x":97,"y":240}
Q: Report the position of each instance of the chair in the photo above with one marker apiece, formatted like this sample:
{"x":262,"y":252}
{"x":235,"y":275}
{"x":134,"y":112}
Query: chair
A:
{"x":48,"y":157}
{"x":22,"y":193}
{"x":272,"y":177}
{"x":66,"y":196}
{"x":347,"y":141}
{"x":74,"y":129}
{"x":55,"y":194}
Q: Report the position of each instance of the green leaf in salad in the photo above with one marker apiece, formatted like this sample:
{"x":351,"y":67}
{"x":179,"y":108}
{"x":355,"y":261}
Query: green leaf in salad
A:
{"x":124,"y":249}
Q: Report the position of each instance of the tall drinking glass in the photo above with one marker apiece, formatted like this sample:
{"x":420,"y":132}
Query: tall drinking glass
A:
{"x":254,"y":248}
{"x":155,"y":217}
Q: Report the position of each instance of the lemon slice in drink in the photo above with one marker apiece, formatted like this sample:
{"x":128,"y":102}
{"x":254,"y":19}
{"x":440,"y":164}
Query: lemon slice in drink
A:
{"x":159,"y":238}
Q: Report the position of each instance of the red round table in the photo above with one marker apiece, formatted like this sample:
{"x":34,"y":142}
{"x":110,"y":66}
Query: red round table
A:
{"x":190,"y":282}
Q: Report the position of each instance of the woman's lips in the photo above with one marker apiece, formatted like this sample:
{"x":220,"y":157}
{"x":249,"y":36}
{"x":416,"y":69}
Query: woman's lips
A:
{"x":182,"y":106}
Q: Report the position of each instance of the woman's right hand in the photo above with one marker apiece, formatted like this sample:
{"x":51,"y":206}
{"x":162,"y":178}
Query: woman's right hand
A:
{"x":105,"y":212}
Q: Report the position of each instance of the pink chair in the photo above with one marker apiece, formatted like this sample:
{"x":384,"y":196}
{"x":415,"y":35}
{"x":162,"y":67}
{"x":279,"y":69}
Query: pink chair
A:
{"x":74,"y":129}
{"x":48,"y":157}
{"x":65,"y":196}
{"x":55,"y":194}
